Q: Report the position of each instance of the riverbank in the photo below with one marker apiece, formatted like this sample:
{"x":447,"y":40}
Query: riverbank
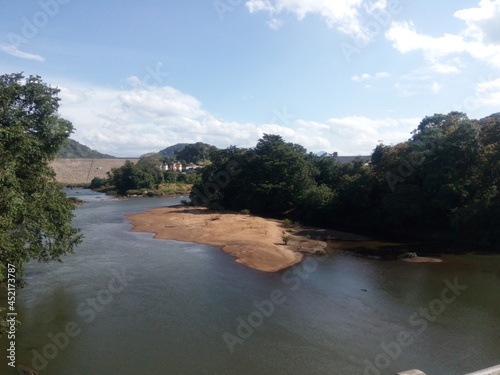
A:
{"x":259,"y":243}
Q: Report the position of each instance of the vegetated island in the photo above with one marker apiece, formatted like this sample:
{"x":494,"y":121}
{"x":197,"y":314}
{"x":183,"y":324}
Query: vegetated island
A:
{"x":260,"y":243}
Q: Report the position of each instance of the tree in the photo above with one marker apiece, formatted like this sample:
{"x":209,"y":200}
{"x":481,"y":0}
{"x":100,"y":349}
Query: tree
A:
{"x":35,"y":216}
{"x":196,"y":152}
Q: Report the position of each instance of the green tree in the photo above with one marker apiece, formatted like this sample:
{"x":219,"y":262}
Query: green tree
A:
{"x":196,"y":152}
{"x":35,"y":216}
{"x":281,"y":174}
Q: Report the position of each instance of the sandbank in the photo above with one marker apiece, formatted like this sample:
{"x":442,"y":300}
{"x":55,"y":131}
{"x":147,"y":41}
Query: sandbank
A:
{"x":254,"y":241}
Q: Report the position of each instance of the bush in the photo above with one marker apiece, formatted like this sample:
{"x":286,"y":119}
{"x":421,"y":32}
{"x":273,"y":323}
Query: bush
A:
{"x":215,"y":206}
{"x":286,"y":238}
{"x":287,"y":223}
{"x":245,"y":212}
{"x":97,"y":183}
{"x":407,"y":255}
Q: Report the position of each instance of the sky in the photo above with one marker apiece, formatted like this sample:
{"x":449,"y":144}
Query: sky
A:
{"x":332,"y":75}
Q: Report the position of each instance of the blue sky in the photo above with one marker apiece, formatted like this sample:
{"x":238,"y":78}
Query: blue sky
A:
{"x":338,"y":75}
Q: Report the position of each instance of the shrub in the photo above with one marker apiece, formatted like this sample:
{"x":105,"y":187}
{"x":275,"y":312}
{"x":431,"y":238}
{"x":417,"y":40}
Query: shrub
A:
{"x":98,"y":182}
{"x":287,"y":223}
{"x":245,"y":212}
{"x":215,"y":206}
{"x":286,"y":238}
{"x":407,"y":255}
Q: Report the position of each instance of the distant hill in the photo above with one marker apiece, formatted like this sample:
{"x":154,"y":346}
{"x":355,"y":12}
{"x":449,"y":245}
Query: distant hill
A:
{"x":75,"y":150}
{"x":170,"y":151}
{"x":189,"y":152}
{"x":348,"y":159}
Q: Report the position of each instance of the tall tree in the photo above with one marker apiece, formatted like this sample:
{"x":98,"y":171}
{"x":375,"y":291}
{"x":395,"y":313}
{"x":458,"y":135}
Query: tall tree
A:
{"x":35,"y":216}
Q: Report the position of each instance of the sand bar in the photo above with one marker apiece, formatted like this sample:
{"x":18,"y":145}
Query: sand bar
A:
{"x":254,"y":241}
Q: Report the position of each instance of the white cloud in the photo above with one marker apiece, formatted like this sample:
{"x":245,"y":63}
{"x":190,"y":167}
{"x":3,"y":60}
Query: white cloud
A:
{"x":342,"y":14}
{"x":14,"y":51}
{"x":367,"y":76}
{"x":358,"y":135}
{"x":382,"y":75}
{"x":406,"y":39}
{"x":436,"y":87}
{"x":275,"y":23}
{"x":479,"y":39}
{"x":488,"y":93}
{"x":482,"y":22}
{"x":134,"y":121}
{"x":414,"y":87}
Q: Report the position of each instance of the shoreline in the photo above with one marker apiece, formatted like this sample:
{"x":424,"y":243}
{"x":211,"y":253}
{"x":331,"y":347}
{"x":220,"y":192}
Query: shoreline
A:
{"x":255,"y":242}
{"x":260,"y":243}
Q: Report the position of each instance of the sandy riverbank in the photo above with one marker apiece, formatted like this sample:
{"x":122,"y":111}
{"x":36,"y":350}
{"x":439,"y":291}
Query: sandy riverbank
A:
{"x":254,"y":241}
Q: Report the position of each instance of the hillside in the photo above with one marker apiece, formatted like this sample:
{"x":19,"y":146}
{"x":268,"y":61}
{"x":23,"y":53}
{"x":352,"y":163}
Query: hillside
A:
{"x":189,"y":152}
{"x":74,"y":149}
{"x":170,"y":151}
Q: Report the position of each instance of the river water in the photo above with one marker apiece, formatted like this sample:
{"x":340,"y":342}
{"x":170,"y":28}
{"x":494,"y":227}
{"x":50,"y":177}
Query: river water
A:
{"x":125,"y":303}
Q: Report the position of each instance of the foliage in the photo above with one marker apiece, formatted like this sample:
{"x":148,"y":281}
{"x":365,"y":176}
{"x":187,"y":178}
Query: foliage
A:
{"x":74,"y":149}
{"x":195,"y":153}
{"x":35,"y":216}
{"x":147,"y":178}
{"x":97,"y":183}
{"x":407,"y":255}
{"x":445,"y":179}
{"x":170,"y":151}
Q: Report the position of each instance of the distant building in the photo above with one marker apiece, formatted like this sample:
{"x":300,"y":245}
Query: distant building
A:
{"x":176,"y":167}
{"x":192,"y":167}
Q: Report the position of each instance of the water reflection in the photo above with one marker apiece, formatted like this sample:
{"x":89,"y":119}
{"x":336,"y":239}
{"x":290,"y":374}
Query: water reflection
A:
{"x":182,"y":297}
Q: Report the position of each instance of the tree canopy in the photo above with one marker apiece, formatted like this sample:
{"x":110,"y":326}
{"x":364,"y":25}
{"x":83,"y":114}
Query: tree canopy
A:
{"x":35,"y":216}
{"x":444,"y":179}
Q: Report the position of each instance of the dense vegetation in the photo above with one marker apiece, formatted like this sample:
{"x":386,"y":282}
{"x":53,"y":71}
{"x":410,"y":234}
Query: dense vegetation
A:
{"x":171,"y":151}
{"x":35,"y":216}
{"x":146,"y":178}
{"x":186,"y":153}
{"x":74,"y":149}
{"x":445,"y":179}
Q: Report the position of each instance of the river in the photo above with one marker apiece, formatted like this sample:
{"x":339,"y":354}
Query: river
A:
{"x":125,"y":303}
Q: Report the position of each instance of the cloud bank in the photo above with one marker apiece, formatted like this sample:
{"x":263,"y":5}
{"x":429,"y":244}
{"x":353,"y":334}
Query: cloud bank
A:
{"x":135,"y":120}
